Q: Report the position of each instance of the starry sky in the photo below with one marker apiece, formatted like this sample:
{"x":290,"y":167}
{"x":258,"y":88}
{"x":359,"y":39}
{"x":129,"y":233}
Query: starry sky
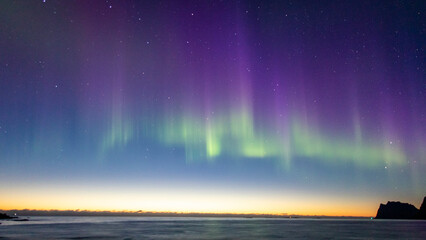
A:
{"x":298,"y":107}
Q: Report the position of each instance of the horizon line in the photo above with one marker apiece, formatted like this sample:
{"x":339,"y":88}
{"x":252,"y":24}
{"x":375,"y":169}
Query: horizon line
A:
{"x":55,"y":212}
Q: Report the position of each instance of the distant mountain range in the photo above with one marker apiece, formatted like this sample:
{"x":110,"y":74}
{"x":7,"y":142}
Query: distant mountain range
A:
{"x":29,"y":212}
{"x":398,"y":210}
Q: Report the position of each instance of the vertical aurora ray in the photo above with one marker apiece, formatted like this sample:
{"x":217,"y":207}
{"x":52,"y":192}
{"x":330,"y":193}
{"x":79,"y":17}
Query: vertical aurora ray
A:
{"x":120,"y":130}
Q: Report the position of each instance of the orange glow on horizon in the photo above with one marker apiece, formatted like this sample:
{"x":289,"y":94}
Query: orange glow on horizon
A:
{"x":184,"y":201}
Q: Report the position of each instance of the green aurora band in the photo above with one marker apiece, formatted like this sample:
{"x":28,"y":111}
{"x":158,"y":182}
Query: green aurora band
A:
{"x":235,"y":135}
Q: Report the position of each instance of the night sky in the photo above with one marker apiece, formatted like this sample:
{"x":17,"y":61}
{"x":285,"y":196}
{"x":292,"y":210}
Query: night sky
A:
{"x":299,"y":107}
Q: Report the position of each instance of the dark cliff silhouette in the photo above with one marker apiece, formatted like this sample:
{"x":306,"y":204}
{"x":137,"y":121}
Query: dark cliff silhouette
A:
{"x":398,"y":210}
{"x":422,"y":212}
{"x":5,"y":216}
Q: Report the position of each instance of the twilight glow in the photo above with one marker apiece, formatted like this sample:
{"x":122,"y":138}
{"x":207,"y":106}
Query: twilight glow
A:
{"x":211,"y":106}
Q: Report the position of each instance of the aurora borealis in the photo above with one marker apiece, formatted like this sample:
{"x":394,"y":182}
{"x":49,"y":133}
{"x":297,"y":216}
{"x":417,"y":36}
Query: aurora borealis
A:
{"x":305,"y":107}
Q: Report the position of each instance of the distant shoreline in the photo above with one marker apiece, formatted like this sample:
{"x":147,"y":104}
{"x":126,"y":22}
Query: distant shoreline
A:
{"x":82,"y":213}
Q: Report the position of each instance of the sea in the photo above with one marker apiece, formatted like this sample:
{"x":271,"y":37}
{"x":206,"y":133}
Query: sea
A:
{"x":127,"y":228}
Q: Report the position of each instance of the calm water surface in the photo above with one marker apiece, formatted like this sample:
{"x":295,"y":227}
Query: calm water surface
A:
{"x":209,"y":228}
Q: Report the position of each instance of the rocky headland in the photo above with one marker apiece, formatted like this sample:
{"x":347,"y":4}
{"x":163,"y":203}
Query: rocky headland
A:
{"x":398,"y":210}
{"x":5,"y":216}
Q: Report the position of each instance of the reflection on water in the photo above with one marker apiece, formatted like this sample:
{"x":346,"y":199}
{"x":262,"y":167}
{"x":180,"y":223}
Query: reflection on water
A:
{"x":209,"y":228}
